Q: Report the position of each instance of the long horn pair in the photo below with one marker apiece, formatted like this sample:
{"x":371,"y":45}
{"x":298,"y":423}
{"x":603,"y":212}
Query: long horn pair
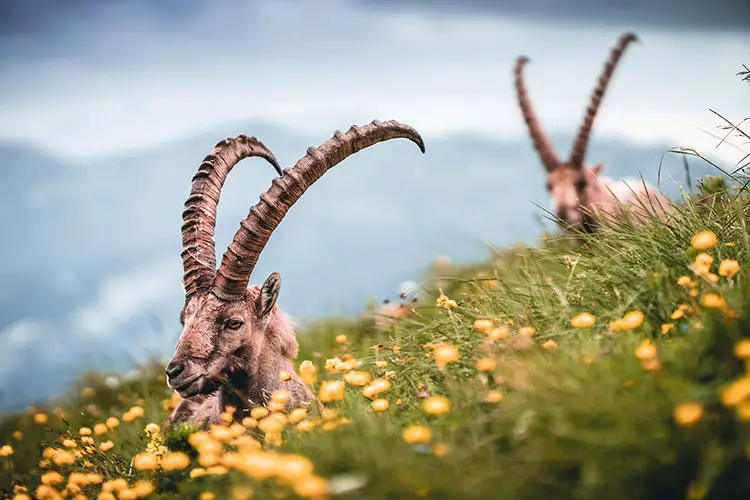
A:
{"x":199,"y":215}
{"x":233,"y":275}
{"x":541,"y":142}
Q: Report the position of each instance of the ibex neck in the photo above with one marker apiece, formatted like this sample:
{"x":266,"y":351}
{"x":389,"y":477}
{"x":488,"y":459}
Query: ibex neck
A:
{"x":246,"y":390}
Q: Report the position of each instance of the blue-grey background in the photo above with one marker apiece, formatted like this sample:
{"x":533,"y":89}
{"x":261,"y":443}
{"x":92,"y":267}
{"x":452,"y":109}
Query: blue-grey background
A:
{"x":106,"y":109}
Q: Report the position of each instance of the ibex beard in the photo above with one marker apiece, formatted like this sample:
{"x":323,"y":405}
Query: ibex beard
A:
{"x":236,"y":343}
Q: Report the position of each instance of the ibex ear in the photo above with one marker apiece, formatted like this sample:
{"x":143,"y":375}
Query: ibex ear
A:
{"x":269,"y":292}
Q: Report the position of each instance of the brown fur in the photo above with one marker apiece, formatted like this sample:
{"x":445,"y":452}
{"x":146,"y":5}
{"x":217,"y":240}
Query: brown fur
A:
{"x":583,"y":199}
{"x":236,"y":367}
{"x":235,"y":342}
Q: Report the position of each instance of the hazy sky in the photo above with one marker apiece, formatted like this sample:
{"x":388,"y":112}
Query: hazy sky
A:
{"x":102,"y":77}
{"x":107,"y":108}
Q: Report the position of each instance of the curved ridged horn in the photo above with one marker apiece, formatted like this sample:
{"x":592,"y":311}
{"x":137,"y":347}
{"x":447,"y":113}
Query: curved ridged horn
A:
{"x":199,"y":215}
{"x":542,"y":144}
{"x":578,"y":152}
{"x":242,"y":254}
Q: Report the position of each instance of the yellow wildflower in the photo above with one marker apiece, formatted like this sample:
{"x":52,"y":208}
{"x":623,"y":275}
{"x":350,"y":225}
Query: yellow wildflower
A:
{"x":499,"y":333}
{"x":527,"y":331}
{"x":63,"y":458}
{"x":703,"y":240}
{"x":632,"y":320}
{"x":40,"y":418}
{"x":145,"y":461}
{"x":142,"y":488}
{"x":311,"y":486}
{"x":249,"y":423}
{"x":440,"y":450}
{"x":6,"y":450}
{"x":445,"y":354}
{"x":713,"y":301}
{"x":729,"y":268}
{"x":685,"y":281}
{"x":216,"y":470}
{"x":376,"y":387}
{"x":175,"y":460}
{"x":486,"y":364}
{"x":112,"y":422}
{"x":151,"y":429}
{"x":742,"y":349}
{"x":341,"y":339}
{"x":297,"y":415}
{"x":483,"y":325}
{"x":197,"y":472}
{"x":308,"y":372}
{"x":357,"y":378}
{"x":736,"y":392}
{"x":687,"y":414}
{"x":331,"y":391}
{"x":436,"y":405}
{"x":666,"y":328}
{"x":583,"y":320}
{"x":380,"y":405}
{"x":646,"y":350}
{"x":493,"y":396}
{"x":417,"y":434}
{"x":446,"y":303}
{"x":107,"y":445}
{"x":259,"y":412}
{"x":52,"y":477}
{"x":651,"y":365}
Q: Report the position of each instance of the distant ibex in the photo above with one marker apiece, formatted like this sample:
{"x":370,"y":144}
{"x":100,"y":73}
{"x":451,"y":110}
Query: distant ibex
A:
{"x":235,"y":341}
{"x":581,"y":198}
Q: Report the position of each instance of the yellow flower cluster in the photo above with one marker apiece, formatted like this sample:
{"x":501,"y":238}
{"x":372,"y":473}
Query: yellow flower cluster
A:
{"x":737,"y":394}
{"x":445,"y":303}
{"x":647,"y":354}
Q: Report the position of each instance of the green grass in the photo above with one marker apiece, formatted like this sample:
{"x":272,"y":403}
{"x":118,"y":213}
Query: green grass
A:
{"x":582,"y":420}
{"x":582,"y":416}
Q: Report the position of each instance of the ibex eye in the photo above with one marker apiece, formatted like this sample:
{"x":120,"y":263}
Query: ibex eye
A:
{"x":234,"y":324}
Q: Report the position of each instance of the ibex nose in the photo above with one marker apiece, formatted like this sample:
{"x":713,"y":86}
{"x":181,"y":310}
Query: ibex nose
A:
{"x":174,"y":368}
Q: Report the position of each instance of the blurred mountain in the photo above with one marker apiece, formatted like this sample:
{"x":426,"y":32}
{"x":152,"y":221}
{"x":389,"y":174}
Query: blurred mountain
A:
{"x":91,"y":251}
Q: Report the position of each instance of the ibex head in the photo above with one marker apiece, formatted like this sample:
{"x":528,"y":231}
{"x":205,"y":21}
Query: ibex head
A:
{"x":569,"y":182}
{"x":230,"y":329}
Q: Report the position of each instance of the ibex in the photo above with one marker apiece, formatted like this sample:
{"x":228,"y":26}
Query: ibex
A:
{"x":235,"y":341}
{"x":580,"y":196}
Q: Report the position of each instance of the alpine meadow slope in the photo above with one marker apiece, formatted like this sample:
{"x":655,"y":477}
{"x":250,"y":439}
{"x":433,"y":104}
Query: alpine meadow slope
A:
{"x":613,"y":365}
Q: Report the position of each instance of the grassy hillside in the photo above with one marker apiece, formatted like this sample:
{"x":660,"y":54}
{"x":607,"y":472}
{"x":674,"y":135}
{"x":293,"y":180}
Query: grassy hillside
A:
{"x":616,"y":368}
